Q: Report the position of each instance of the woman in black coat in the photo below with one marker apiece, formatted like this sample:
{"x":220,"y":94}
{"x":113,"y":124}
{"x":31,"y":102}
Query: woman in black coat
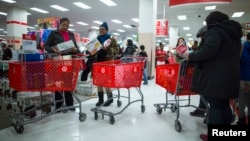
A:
{"x":219,"y":59}
{"x":59,"y":36}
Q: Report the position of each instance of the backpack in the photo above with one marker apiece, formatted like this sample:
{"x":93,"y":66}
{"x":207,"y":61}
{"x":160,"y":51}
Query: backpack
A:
{"x":113,"y":50}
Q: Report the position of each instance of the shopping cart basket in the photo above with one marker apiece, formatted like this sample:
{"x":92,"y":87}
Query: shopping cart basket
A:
{"x":48,"y":75}
{"x":123,"y":73}
{"x":176,"y":78}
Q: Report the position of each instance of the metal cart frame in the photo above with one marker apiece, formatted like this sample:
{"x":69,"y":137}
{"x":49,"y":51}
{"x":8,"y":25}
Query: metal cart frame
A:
{"x":51,"y":75}
{"x":176,"y":78}
{"x":134,"y":65}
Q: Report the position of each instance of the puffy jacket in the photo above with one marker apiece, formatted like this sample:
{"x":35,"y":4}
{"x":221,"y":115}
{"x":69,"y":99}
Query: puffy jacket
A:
{"x":219,"y":58}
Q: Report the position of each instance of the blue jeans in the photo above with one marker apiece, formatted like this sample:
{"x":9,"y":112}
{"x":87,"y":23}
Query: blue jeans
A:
{"x":145,"y":75}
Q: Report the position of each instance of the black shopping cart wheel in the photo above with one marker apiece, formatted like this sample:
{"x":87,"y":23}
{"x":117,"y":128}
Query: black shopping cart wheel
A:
{"x":96,"y":115}
{"x":178,"y":126}
{"x":143,"y":108}
{"x":82,"y":117}
{"x":158,"y":109}
{"x":19,"y":129}
{"x":111,"y":120}
{"x":173,"y":107}
{"x":119,"y":103}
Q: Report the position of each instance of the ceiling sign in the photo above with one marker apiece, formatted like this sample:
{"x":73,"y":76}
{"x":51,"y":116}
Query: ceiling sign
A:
{"x":184,"y":2}
{"x":161,"y":28}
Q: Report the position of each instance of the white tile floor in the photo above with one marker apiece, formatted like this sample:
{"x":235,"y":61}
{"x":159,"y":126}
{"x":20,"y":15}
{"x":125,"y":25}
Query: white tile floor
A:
{"x":130,"y":125}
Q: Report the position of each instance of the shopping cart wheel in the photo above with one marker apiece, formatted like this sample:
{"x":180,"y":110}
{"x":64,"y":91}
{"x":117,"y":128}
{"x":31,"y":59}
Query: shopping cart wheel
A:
{"x":64,"y":110}
{"x":173,"y":107}
{"x":177,"y":126}
{"x":119,"y":103}
{"x":19,"y":129}
{"x":111,"y":120}
{"x":142,"y":108}
{"x":82,"y":117}
{"x":158,"y":109}
{"x":96,"y":115}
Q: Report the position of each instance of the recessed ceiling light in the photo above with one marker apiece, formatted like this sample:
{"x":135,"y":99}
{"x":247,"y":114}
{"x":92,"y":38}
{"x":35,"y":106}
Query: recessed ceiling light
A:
{"x":116,"y":21}
{"x":71,"y":25}
{"x":120,"y":30}
{"x":186,"y":28}
{"x":188,"y":34}
{"x":182,"y":17}
{"x":39,"y":10}
{"x":127,"y":26}
{"x":3,"y":13}
{"x":94,"y":27}
{"x":82,"y":5}
{"x":108,"y":2}
{"x":70,"y":29}
{"x":59,"y":7}
{"x":210,"y":7}
{"x":97,"y":22}
{"x":82,"y":23}
{"x":135,"y":20}
{"x":237,"y":14}
{"x":117,"y":34}
{"x":190,"y":39}
{"x":9,"y":1}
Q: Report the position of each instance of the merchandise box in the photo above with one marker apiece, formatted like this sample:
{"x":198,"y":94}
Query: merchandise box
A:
{"x":32,"y":57}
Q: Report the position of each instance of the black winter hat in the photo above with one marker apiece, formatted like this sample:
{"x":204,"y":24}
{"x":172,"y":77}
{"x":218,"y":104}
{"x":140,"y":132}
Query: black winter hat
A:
{"x":201,"y":31}
{"x":105,"y":25}
{"x":216,"y":17}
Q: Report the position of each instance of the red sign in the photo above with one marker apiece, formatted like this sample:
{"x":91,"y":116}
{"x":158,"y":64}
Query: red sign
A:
{"x":161,"y":27}
{"x":182,"y":2}
{"x":29,"y":37}
{"x":65,"y":69}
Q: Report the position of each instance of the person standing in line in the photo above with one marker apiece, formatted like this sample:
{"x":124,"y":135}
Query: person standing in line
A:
{"x":220,"y":74}
{"x":244,"y":94}
{"x":62,"y":34}
{"x":161,"y":55}
{"x":143,"y":53}
{"x":130,"y":49}
{"x":100,"y":57}
{"x":6,"y":51}
{"x":199,"y":112}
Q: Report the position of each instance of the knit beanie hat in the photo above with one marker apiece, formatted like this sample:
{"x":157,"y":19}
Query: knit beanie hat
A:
{"x":105,"y":25}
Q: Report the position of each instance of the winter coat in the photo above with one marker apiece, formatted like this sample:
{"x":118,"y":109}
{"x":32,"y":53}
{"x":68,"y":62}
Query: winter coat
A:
{"x":219,"y":58}
{"x":245,"y":62}
{"x":55,"y":38}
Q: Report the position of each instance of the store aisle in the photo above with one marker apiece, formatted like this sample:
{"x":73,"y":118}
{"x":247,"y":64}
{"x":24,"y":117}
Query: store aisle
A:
{"x":130,"y":125}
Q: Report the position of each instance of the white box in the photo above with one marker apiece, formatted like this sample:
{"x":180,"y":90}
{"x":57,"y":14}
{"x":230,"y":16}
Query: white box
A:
{"x":65,"y":46}
{"x":93,"y":44}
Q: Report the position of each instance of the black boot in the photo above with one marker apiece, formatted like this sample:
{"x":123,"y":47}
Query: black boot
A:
{"x":241,"y":121}
{"x":110,"y":99}
{"x":100,"y":101}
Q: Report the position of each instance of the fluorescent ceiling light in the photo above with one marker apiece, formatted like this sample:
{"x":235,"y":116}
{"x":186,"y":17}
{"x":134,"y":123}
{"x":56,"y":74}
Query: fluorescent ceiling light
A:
{"x":190,"y":39}
{"x":135,"y":20}
{"x":31,"y":27}
{"x":94,"y":27}
{"x":186,"y":28}
{"x":189,"y":34}
{"x":210,"y":7}
{"x":2,"y":13}
{"x":9,"y":1}
{"x":117,"y":34}
{"x":59,"y":7}
{"x":97,"y":22}
{"x":70,"y":29}
{"x":108,"y":2}
{"x":237,"y":14}
{"x":5,"y":32}
{"x":82,"y":5}
{"x":39,"y":10}
{"x":127,"y":26}
{"x":182,"y":17}
{"x":204,"y":23}
{"x":120,"y":30}
{"x":1,"y":29}
{"x":134,"y":35}
{"x":71,"y":25}
{"x":82,"y":23}
{"x":166,"y":39}
{"x":116,"y":21}
{"x":28,"y":13}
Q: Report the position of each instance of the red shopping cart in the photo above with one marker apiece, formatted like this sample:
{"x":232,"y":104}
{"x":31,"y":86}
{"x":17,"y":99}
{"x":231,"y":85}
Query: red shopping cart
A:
{"x":43,"y":76}
{"x":123,"y":73}
{"x":176,"y":78}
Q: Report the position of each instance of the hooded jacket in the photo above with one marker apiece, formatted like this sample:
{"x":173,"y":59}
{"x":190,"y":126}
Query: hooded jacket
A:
{"x":219,"y":59}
